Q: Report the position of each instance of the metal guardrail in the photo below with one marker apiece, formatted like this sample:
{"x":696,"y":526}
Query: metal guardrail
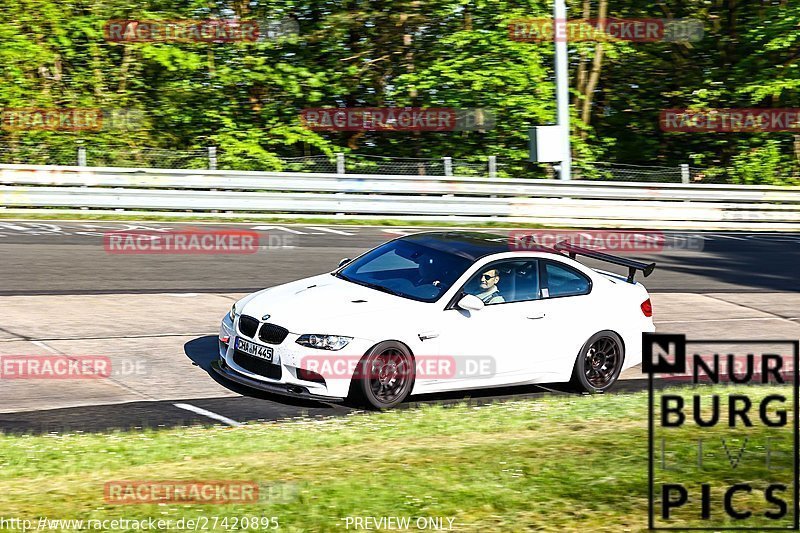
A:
{"x":575,"y":203}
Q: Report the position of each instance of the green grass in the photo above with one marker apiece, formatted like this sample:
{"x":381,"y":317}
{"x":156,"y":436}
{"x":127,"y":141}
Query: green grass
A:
{"x":553,"y":464}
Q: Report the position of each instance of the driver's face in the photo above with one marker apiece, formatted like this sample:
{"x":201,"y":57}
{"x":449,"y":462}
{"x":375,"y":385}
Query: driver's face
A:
{"x":489,"y":279}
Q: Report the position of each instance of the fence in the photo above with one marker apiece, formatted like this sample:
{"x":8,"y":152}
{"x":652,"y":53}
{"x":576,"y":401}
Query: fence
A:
{"x":653,"y":174}
{"x":341,"y":163}
{"x":211,"y":158}
{"x":359,"y":196}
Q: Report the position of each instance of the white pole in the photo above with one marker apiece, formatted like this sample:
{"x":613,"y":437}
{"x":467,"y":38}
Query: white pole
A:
{"x":448,"y":166}
{"x":340,"y":163}
{"x":685,"y":174}
{"x":562,"y":83}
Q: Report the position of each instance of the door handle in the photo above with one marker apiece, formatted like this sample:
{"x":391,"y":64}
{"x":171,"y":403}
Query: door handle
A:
{"x":535,"y":317}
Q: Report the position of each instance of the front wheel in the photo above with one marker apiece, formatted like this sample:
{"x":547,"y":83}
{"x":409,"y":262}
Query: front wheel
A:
{"x":599,"y":362}
{"x":385,"y":375}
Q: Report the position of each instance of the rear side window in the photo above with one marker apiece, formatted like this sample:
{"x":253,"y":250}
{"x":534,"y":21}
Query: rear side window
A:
{"x":565,"y":281}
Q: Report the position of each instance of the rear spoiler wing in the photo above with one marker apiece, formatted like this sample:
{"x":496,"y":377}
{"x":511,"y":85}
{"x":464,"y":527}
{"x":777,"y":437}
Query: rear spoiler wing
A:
{"x":633,"y":266}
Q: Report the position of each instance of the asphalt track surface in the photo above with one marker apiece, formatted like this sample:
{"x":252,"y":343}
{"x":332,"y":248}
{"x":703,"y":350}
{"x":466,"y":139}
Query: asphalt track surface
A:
{"x":55,"y":259}
{"x":69,"y":258}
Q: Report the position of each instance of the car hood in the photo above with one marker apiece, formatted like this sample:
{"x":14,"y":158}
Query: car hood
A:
{"x":325,"y":304}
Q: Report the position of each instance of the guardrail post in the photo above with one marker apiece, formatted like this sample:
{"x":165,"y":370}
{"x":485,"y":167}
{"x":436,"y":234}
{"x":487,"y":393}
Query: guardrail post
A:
{"x":685,"y":174}
{"x":492,"y":166}
{"x":340,"y":163}
{"x":448,"y":166}
{"x":212,"y":158}
{"x":81,"y":156}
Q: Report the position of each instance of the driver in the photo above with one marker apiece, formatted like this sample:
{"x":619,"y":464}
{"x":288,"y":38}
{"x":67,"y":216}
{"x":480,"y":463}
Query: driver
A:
{"x":489,"y":292}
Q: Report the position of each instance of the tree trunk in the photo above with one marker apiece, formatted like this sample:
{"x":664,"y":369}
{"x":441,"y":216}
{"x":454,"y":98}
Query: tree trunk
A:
{"x":594,"y":75}
{"x":581,"y":77}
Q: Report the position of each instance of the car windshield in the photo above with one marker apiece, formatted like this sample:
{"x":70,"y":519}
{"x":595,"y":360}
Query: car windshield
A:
{"x":407,"y":269}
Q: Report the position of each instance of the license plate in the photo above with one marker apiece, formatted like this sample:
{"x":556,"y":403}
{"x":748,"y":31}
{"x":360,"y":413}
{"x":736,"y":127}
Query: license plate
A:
{"x":256,"y":350}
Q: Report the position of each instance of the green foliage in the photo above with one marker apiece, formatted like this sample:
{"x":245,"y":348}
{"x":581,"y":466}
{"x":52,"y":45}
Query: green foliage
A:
{"x":245,"y":97}
{"x":762,"y":164}
{"x":748,"y":58}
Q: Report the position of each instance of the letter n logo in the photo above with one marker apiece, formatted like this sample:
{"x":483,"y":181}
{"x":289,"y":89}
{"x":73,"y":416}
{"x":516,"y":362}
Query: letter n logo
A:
{"x":663,"y":354}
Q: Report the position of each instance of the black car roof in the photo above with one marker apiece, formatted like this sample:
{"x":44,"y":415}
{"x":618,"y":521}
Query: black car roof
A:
{"x":471,"y":245}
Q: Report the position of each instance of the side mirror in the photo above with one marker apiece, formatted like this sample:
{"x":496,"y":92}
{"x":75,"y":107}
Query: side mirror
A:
{"x":470,"y":302}
{"x":344,"y":261}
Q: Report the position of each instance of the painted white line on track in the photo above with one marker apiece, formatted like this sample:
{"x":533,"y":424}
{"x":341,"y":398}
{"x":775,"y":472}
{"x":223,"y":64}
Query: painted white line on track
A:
{"x":397,"y":231}
{"x":329,"y":230}
{"x":40,"y":344}
{"x":718,"y":236}
{"x":209,"y":414}
{"x":14,"y":227}
{"x":288,"y":230}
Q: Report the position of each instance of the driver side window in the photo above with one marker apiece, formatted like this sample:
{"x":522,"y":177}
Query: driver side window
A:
{"x":506,"y":282}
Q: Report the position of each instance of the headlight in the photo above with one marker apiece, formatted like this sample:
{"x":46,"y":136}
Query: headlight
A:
{"x":324,"y":342}
{"x":232,"y":313}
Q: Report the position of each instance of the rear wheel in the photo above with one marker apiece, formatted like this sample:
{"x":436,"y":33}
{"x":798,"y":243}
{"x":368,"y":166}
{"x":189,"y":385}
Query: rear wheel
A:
{"x":599,"y":362}
{"x":385,"y":375}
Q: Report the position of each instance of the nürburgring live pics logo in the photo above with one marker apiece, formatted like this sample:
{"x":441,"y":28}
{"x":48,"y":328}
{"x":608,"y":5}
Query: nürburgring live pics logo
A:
{"x":722,"y":450}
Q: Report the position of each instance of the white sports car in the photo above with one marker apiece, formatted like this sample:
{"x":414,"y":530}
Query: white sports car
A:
{"x":440,"y":311}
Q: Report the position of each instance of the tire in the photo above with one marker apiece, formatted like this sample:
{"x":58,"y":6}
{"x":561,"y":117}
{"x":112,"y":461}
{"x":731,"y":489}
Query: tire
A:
{"x":384,"y":376}
{"x":599,"y":363}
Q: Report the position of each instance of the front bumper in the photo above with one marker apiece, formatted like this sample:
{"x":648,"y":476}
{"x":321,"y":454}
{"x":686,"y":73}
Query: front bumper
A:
{"x":284,"y":389}
{"x":282,"y":377}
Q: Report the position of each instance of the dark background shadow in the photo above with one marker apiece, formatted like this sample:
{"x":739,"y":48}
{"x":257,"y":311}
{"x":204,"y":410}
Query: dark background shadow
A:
{"x":743,"y":263}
